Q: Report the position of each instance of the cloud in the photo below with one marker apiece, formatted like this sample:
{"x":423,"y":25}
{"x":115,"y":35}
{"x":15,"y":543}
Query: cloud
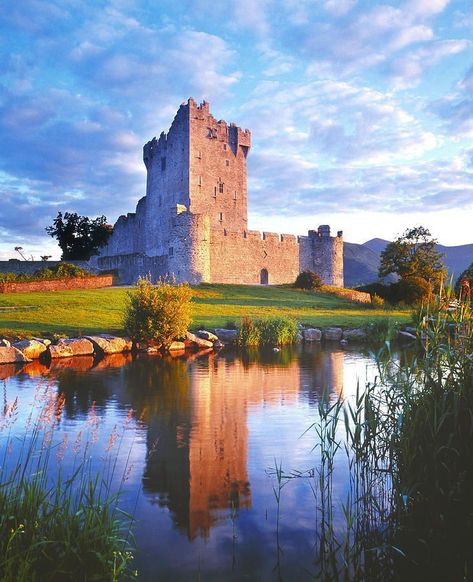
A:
{"x":407,"y":70}
{"x":335,"y":93}
{"x":456,"y":108}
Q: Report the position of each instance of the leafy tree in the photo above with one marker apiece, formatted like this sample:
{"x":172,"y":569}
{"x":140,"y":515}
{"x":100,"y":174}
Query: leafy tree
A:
{"x":413,"y":255}
{"x":79,"y":237}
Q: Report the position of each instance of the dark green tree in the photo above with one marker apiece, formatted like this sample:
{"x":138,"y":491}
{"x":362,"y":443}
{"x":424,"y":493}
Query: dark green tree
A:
{"x":413,"y":254}
{"x":79,"y":237}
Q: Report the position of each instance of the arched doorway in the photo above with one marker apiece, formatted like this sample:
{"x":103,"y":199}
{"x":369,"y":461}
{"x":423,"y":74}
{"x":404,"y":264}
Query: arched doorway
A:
{"x":264,"y":277}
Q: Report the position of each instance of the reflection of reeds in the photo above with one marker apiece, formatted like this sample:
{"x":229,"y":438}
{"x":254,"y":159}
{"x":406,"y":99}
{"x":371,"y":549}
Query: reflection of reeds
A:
{"x":406,"y":442}
{"x":55,"y":526}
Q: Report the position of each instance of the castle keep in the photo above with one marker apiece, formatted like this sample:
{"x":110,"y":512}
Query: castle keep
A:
{"x":193,"y":221}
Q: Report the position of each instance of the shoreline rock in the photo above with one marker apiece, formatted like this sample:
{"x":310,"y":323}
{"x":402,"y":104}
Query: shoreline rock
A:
{"x":32,"y":348}
{"x":11,"y":355}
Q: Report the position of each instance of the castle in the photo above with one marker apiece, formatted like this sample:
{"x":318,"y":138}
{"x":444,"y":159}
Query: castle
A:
{"x":193,"y":221}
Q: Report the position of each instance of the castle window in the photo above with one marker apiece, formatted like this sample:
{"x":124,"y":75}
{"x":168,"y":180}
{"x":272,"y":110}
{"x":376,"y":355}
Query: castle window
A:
{"x":227,"y":162}
{"x":171,"y":251}
{"x":215,"y":191}
{"x":220,"y":216}
{"x":220,"y":187}
{"x":199,"y":154}
{"x":224,"y":146}
{"x":163,"y":164}
{"x":200,"y":181}
{"x":234,"y":195}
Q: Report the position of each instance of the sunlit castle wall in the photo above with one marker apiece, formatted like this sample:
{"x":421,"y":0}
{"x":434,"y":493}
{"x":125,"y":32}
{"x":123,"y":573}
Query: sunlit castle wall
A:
{"x":194,"y":217}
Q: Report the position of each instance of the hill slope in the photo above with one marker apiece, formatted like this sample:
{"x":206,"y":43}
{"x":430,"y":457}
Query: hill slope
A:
{"x":361,"y":262}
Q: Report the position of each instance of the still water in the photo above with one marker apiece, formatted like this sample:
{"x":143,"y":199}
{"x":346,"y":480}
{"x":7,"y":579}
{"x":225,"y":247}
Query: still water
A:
{"x":197,"y":441}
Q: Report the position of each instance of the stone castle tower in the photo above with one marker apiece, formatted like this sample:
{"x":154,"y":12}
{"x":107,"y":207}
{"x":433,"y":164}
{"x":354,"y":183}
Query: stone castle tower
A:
{"x":193,"y":221}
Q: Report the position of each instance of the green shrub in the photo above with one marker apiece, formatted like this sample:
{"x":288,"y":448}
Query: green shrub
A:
{"x":158,"y":313}
{"x":61,"y":271}
{"x":410,"y":291}
{"x":381,"y":330}
{"x":270,"y":331}
{"x":308,"y":280}
{"x":249,"y":334}
{"x":67,"y":271}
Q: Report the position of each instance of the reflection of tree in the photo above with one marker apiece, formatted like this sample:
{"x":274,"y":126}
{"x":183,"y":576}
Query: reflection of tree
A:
{"x":160,"y":394}
{"x":81,"y":389}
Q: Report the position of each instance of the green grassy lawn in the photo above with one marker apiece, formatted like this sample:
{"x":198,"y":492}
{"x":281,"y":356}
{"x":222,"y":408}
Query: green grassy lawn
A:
{"x":100,"y":310}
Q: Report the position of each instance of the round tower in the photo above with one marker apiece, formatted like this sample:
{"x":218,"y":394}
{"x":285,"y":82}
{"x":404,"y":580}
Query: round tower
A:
{"x":189,"y":248}
{"x":327,"y":253}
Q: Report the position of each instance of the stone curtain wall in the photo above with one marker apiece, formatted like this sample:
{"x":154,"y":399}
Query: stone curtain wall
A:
{"x":58,"y":284}
{"x":130,"y":267}
{"x":240,"y":258}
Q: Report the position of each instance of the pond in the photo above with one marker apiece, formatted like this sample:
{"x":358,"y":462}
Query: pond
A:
{"x":199,"y":442}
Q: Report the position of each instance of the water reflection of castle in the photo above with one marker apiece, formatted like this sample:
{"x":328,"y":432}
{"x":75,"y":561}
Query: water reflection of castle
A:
{"x":195,"y":417}
{"x":198,"y":432}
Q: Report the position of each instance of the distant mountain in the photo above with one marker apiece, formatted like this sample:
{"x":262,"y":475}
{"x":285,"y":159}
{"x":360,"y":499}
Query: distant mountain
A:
{"x":361,"y":262}
{"x":376,"y":244}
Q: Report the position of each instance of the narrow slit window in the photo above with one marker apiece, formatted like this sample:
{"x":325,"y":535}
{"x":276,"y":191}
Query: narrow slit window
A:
{"x":215,"y":192}
{"x":220,"y":187}
{"x":234,"y":195}
{"x":200,"y":181}
{"x":220,"y":216}
{"x":227,"y":162}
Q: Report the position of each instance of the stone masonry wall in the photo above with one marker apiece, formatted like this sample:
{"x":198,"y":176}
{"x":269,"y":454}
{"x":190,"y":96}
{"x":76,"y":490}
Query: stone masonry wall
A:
{"x":241,"y":258}
{"x":217,"y":161}
{"x":132,"y":266}
{"x":167,"y":162}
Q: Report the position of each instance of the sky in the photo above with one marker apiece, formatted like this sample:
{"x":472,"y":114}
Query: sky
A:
{"x":361,"y":112}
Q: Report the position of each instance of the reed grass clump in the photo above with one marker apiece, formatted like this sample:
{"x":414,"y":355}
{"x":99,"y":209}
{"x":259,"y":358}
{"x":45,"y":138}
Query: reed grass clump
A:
{"x":273,"y":331}
{"x":406,"y":441}
{"x":53,"y":526}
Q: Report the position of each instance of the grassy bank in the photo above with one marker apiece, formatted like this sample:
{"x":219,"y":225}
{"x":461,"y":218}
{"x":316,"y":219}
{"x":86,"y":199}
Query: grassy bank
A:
{"x":100,"y":310}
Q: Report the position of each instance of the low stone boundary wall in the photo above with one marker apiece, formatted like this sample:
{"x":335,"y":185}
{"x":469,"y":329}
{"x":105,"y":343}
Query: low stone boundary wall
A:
{"x":359,"y":296}
{"x":57,"y":284}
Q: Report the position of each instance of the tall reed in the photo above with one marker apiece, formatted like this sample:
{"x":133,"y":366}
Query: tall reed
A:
{"x":56,"y":526}
{"x":406,"y":440}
